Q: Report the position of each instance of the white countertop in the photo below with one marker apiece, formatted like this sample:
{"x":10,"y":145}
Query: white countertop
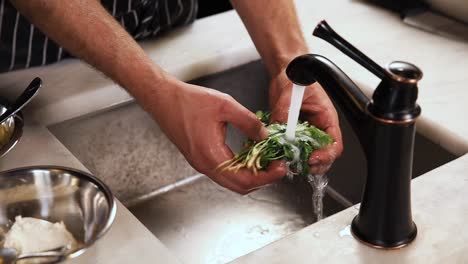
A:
{"x":127,"y":240}
{"x":439,"y":208}
{"x":72,"y":89}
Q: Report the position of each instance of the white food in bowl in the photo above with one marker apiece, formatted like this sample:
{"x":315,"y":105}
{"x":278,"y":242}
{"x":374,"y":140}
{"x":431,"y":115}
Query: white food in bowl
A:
{"x":31,"y":235}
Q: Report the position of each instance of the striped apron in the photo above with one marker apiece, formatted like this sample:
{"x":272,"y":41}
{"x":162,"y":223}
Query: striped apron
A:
{"x":23,"y":46}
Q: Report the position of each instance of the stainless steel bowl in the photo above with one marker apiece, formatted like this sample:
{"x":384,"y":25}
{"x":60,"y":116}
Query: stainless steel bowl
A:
{"x":82,"y":202}
{"x":13,"y":127}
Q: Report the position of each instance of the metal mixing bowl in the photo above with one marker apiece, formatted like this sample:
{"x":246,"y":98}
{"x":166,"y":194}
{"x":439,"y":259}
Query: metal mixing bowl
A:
{"x":13,"y":127}
{"x":82,"y":202}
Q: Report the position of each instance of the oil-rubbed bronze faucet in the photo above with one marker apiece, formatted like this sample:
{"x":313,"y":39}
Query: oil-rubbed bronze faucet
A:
{"x":385,"y":127}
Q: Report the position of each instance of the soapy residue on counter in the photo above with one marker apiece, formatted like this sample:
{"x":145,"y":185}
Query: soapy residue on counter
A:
{"x":345,"y":231}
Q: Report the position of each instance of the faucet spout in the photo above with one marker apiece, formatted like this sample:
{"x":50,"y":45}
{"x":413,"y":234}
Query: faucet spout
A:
{"x":309,"y":68}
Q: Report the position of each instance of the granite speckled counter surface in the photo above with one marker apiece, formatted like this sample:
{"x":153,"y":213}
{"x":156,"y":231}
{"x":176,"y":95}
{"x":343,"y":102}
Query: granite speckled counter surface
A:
{"x":72,"y":90}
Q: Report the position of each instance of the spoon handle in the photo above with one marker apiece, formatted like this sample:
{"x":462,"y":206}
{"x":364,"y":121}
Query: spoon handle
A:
{"x":54,"y":253}
{"x":23,"y":99}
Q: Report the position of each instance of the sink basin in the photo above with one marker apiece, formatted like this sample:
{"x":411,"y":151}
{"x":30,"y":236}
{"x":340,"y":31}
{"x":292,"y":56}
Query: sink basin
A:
{"x":197,"y":220}
{"x":204,"y":223}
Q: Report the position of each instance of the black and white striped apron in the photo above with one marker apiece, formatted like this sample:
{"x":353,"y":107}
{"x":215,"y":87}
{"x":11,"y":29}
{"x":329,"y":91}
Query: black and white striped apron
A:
{"x":23,"y":46}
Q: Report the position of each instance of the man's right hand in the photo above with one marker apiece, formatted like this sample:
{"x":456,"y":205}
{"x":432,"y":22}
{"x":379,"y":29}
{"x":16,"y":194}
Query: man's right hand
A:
{"x":194,"y":118}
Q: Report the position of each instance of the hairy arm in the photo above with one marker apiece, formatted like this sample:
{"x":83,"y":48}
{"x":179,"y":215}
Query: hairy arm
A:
{"x":194,"y":118}
{"x":275,"y":30}
{"x":85,"y":28}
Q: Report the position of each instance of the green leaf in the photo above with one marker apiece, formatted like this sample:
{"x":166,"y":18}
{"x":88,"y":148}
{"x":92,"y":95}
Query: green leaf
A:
{"x":275,"y":146}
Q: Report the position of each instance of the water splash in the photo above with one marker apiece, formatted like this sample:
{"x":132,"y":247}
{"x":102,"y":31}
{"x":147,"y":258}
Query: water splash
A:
{"x":295,"y":165}
{"x":318,"y":183}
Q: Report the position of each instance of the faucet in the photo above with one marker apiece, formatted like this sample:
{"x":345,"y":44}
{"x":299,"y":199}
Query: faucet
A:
{"x":385,"y":127}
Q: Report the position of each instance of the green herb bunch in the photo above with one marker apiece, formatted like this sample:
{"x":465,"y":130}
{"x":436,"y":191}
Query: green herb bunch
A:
{"x":258,"y":155}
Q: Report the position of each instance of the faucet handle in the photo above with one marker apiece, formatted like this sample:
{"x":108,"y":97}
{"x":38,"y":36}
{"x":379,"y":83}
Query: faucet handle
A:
{"x":395,"y":98}
{"x":324,"y":31}
{"x":404,"y":72}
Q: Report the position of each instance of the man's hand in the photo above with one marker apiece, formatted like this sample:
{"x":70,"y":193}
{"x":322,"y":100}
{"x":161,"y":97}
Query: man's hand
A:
{"x":194,"y":118}
{"x":317,"y":109}
{"x":278,"y":38}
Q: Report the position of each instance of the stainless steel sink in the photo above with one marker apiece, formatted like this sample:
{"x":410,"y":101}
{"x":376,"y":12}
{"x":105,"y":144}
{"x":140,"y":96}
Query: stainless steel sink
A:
{"x":204,"y":223}
{"x":196,"y":219}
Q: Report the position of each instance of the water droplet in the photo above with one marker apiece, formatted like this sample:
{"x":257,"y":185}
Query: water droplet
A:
{"x":316,"y":234}
{"x":346,"y":231}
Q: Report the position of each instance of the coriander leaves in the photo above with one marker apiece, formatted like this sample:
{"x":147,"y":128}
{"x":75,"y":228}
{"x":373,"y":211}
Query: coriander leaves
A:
{"x":258,"y":155}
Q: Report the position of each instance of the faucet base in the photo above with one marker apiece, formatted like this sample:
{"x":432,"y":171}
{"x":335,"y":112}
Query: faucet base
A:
{"x":380,"y":244}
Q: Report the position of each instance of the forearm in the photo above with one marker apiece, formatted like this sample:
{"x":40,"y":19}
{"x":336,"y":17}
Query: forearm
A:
{"x":275,"y":30}
{"x":85,"y":29}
